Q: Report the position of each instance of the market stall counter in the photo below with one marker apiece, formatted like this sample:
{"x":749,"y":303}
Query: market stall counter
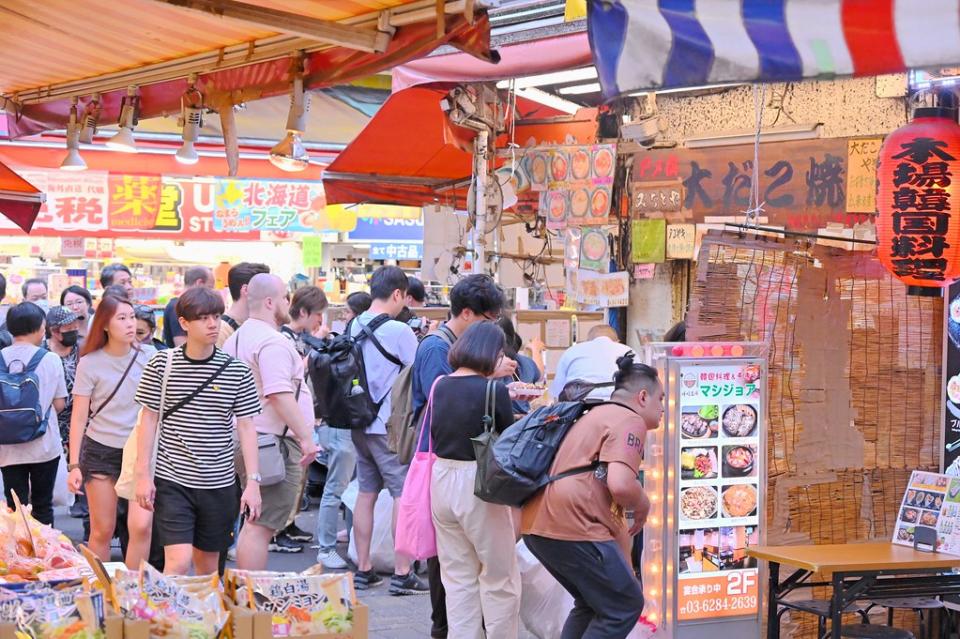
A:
{"x":856,"y":572}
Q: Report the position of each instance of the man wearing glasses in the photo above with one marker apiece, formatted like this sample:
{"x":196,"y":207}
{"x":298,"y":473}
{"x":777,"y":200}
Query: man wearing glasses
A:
{"x":475,"y":298}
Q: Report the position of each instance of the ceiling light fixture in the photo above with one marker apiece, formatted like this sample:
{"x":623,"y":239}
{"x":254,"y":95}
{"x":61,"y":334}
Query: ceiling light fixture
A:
{"x":548,"y":99}
{"x":191,"y":119}
{"x":289,"y":154}
{"x":580,"y":89}
{"x":91,"y":117}
{"x":558,"y":77}
{"x":73,"y":161}
{"x":129,"y":111}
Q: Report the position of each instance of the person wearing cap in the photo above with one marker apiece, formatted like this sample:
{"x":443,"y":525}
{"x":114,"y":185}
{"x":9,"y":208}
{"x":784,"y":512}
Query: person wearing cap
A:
{"x":63,"y":339}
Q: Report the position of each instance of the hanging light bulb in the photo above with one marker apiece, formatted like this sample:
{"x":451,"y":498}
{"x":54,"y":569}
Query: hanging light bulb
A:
{"x":91,"y":117}
{"x":73,"y":161}
{"x":289,"y":154}
{"x":191,"y":119}
{"x":123,"y":141}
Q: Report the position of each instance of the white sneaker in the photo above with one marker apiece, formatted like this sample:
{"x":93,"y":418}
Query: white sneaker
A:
{"x":330,"y":559}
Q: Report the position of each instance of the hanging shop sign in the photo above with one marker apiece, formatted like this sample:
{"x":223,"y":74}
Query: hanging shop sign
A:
{"x":102,"y":204}
{"x":916,"y":239}
{"x":803,"y":184}
{"x":605,"y":290}
{"x":862,"y":154}
{"x":648,"y":241}
{"x":663,"y":196}
{"x":575,"y":182}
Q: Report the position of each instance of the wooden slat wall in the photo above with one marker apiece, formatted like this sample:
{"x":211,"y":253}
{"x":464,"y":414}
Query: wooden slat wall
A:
{"x":855,"y":382}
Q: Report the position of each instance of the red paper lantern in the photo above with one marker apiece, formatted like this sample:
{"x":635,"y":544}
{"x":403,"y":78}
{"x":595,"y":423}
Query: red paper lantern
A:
{"x":918,"y":220}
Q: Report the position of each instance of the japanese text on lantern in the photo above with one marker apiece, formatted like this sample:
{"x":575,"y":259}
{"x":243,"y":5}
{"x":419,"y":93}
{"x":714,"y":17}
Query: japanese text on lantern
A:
{"x":921,"y":209}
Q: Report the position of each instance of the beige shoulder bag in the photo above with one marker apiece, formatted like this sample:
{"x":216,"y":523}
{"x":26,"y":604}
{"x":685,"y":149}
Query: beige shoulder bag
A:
{"x":126,"y":485}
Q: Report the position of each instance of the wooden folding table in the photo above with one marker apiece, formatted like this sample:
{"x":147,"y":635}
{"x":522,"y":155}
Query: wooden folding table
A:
{"x":856,"y":572}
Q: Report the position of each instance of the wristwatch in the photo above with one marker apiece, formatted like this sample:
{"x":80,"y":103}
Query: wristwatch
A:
{"x":73,"y":467}
{"x":257,"y":477}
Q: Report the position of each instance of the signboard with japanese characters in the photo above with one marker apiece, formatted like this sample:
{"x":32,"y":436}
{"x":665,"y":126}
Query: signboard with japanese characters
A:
{"x":720,"y":466}
{"x":862,"y":174}
{"x":101,"y":204}
{"x":656,"y":196}
{"x":76,"y":202}
{"x":396,"y":251}
{"x":803,"y":184}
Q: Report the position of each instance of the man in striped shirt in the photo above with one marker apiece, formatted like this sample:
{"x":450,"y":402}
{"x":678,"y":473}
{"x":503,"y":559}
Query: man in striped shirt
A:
{"x":194,"y":494}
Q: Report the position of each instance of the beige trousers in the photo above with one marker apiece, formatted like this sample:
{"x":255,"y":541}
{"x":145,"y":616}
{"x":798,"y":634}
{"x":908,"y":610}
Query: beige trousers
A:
{"x":477,"y":552}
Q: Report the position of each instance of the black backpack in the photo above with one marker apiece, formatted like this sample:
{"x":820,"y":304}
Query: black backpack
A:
{"x":340,"y":389}
{"x":518,"y":465}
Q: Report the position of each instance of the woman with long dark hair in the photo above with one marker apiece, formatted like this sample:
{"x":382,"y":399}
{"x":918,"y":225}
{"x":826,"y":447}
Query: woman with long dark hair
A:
{"x":104,"y":415}
{"x":475,"y":539}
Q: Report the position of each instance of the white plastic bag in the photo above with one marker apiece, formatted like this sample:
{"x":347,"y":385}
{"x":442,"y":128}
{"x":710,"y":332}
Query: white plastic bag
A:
{"x":545,"y":604}
{"x":381,"y":544}
{"x":62,"y":496}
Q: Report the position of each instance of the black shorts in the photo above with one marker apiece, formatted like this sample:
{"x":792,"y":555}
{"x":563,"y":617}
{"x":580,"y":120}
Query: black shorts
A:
{"x":97,"y":460}
{"x":203,"y":518}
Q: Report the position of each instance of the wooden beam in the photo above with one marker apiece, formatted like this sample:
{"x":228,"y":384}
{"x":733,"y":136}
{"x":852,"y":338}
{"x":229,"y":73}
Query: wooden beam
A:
{"x":335,"y":33}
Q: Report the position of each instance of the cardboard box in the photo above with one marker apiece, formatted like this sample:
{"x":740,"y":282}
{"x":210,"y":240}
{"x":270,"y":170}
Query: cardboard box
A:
{"x":248,"y":624}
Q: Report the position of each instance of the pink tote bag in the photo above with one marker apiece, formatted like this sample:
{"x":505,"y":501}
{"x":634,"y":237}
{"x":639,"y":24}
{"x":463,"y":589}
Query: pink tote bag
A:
{"x":416,"y":537}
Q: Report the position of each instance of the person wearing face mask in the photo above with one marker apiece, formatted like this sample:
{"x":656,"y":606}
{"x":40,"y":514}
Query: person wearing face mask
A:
{"x":35,"y":290}
{"x":104,"y":414}
{"x":63,"y":337}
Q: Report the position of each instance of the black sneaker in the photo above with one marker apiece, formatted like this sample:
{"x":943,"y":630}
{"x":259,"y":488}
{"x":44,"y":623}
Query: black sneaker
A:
{"x":408,"y":584}
{"x":282,"y":543}
{"x":365,"y":579}
{"x":296,"y":533}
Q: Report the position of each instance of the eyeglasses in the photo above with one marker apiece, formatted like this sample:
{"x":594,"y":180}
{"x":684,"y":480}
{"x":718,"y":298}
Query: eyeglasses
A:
{"x":494,"y":318}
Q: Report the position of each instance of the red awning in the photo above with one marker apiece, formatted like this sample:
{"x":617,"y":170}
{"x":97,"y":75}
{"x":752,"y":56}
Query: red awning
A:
{"x":324,"y":68}
{"x":20,"y":201}
{"x":410,"y":154}
{"x":529,"y":58}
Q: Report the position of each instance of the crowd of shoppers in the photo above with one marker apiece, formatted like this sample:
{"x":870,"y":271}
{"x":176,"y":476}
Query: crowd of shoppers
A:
{"x":190,"y":410}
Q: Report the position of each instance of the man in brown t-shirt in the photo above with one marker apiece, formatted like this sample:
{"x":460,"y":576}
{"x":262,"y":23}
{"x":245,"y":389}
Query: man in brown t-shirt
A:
{"x":577,"y":526}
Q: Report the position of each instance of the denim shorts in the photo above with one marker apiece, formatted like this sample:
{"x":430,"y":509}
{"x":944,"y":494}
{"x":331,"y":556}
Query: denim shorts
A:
{"x":99,"y":460}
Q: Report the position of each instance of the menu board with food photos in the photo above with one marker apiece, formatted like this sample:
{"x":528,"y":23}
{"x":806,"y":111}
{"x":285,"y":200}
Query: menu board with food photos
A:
{"x":718,"y":489}
{"x":932,"y":501}
{"x":575,"y":182}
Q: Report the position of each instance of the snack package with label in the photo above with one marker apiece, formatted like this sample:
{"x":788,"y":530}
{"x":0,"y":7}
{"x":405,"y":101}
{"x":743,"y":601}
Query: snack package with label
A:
{"x":53,"y":613}
{"x":29,"y":550}
{"x":193,"y":610}
{"x":304,"y":604}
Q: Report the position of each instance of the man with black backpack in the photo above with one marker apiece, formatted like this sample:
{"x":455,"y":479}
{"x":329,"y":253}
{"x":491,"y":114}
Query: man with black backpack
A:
{"x":34,"y":391}
{"x":577,"y":524}
{"x":387,"y":346}
{"x":475,"y":298}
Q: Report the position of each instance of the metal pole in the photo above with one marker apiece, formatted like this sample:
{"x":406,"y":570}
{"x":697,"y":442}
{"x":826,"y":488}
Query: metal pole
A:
{"x":480,"y":193}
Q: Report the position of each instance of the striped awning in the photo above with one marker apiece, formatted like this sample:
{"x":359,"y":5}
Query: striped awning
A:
{"x":661,"y":44}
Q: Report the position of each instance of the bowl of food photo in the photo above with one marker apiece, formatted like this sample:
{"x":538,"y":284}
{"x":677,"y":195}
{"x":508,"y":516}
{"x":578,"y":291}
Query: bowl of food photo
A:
{"x":699,"y":423}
